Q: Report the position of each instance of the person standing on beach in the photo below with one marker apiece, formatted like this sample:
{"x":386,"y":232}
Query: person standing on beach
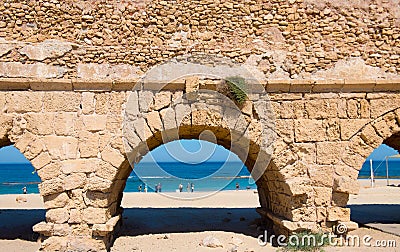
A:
{"x":156,"y":188}
{"x":159,"y":187}
{"x":188,"y":187}
{"x":180,"y":187}
{"x":145,"y":188}
{"x":24,"y":190}
{"x":192,"y":187}
{"x":237,"y":186}
{"x":140,"y":188}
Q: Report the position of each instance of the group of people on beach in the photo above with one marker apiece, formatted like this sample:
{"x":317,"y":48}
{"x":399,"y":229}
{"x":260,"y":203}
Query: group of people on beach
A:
{"x":157,"y":187}
{"x":140,"y":188}
{"x":189,"y":187}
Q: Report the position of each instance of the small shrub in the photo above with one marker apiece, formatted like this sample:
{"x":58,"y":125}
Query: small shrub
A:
{"x":238,"y":88}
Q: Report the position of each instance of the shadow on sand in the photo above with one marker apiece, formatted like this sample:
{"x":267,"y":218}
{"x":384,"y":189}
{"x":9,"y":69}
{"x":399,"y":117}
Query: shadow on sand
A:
{"x":375,"y":213}
{"x":17,"y":224}
{"x":140,"y":221}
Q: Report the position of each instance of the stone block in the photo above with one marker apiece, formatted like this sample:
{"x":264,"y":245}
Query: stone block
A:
{"x":352,"y":159}
{"x":357,"y":145}
{"x":112,"y":156}
{"x":106,"y":170}
{"x":57,"y":200}
{"x":192,"y":84}
{"x":321,"y":175}
{"x":61,"y":101}
{"x":22,"y":142}
{"x":145,"y":101}
{"x":96,"y":215}
{"x":34,"y":148}
{"x":94,"y":123}
{"x":85,"y":244}
{"x":161,"y":100}
{"x":304,"y":214}
{"x":306,"y":152}
{"x":50,"y":171}
{"x":322,"y":196}
{"x":132,"y":104}
{"x":88,"y":144}
{"x":381,"y":106}
{"x":40,"y":123}
{"x":95,"y":183}
{"x":168,"y":118}
{"x":340,"y":199}
{"x":142,"y":129}
{"x":73,"y":181}
{"x":43,"y":228}
{"x":58,"y":215}
{"x":329,"y":152}
{"x":386,"y":126}
{"x":352,"y":109}
{"x":51,"y":186}
{"x":154,"y":121}
{"x":285,"y":130}
{"x":345,"y":184}
{"x":75,"y":216}
{"x":321,"y":109}
{"x":338,"y":214}
{"x":88,"y":103}
{"x":64,"y":124}
{"x":98,"y":199}
{"x":79,"y":165}
{"x":61,"y":229}
{"x":36,"y":70}
{"x":24,"y":101}
{"x":47,"y":49}
{"x":369,"y":136}
{"x":41,"y":160}
{"x":350,"y":127}
{"x":309,"y":130}
{"x":108,"y":227}
{"x":332,"y":129}
{"x":109,"y":103}
{"x":61,"y":147}
{"x":54,"y":243}
{"x":365,"y":110}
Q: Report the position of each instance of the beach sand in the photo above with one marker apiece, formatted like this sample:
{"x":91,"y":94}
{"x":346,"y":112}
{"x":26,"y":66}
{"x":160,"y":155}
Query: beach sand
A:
{"x":155,"y":222}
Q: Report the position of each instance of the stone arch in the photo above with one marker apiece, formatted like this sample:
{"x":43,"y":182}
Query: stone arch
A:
{"x":384,"y":129}
{"x":183,"y":117}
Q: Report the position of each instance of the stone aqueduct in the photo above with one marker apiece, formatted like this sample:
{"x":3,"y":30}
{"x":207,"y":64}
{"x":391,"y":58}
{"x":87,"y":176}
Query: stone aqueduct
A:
{"x":69,"y":74}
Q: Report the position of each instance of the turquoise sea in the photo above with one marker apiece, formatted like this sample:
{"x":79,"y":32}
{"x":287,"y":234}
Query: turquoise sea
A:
{"x":208,"y":176}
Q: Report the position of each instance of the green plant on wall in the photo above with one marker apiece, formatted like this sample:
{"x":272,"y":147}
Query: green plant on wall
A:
{"x":238,"y":88}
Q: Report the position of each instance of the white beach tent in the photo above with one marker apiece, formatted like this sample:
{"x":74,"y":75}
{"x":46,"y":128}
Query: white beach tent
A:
{"x":387,"y":166}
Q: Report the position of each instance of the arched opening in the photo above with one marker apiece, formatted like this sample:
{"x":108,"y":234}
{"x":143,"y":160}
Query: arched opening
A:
{"x":207,"y":203}
{"x":21,"y":205}
{"x":378,"y":203}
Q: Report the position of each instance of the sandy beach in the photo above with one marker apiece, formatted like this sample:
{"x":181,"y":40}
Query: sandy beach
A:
{"x":161,"y":222}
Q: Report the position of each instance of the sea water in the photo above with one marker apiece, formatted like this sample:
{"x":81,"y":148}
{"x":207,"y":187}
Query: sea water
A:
{"x":207,"y":176}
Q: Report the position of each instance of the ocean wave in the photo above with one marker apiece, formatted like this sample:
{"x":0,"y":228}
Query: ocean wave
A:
{"x":20,"y":183}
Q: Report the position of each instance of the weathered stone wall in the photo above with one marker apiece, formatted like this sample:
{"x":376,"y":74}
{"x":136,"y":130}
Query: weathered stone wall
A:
{"x":284,"y":39}
{"x":74,"y":141}
{"x":67,"y":70}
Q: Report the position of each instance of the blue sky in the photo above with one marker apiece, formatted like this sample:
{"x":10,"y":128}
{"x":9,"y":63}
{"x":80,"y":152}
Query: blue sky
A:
{"x":192,"y":151}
